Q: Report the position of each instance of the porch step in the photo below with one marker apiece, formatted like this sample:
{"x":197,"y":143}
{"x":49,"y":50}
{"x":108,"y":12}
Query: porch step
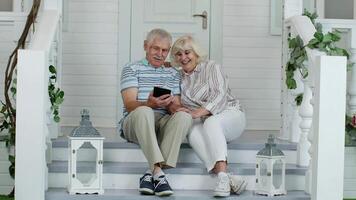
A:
{"x":239,"y":151}
{"x":187,"y":176}
{"x":60,"y":194}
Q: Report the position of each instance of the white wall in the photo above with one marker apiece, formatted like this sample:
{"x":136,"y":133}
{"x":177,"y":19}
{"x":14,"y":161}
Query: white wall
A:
{"x":90,"y":62}
{"x":251,"y":58}
{"x":7,"y":44}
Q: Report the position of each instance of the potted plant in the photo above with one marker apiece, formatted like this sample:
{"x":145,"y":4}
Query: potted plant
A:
{"x":350,"y":130}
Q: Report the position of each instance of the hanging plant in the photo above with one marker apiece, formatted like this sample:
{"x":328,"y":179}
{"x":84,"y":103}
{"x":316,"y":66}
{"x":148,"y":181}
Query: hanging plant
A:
{"x":323,"y":42}
{"x":8,"y":110}
{"x":56,"y":95}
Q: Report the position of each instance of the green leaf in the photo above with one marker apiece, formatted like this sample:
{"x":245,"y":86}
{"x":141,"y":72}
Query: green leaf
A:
{"x":52,"y":69}
{"x":327,"y":38}
{"x":61,"y":94}
{"x":319,"y":36}
{"x":313,"y":42}
{"x":291,"y":83}
{"x":59,"y":101}
{"x":13,"y":90}
{"x":335,"y":36}
{"x":56,"y":118}
{"x":299,"y":99}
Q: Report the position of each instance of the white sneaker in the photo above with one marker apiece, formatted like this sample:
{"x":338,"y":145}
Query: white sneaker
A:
{"x":222,"y":188}
{"x":237,"y":185}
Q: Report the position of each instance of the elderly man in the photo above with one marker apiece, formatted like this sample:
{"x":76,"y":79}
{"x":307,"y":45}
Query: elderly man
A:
{"x":150,"y":121}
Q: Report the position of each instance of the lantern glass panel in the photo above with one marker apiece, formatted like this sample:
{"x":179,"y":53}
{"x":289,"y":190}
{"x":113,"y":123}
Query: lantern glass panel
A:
{"x":86,"y":171}
{"x":277,"y":174}
{"x":263,"y":173}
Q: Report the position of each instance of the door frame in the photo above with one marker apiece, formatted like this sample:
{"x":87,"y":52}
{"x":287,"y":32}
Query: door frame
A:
{"x":124,"y":37}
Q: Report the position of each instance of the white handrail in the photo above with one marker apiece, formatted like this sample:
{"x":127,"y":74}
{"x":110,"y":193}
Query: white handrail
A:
{"x":33,"y":123}
{"x":46,"y":31}
{"x":327,"y":81}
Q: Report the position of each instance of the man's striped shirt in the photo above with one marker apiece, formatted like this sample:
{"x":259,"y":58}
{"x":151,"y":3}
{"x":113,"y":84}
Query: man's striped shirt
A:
{"x":144,"y":77}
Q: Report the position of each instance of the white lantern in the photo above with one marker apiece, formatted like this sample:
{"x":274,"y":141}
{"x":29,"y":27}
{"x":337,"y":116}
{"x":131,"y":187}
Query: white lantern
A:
{"x":270,"y":170}
{"x":89,"y":181}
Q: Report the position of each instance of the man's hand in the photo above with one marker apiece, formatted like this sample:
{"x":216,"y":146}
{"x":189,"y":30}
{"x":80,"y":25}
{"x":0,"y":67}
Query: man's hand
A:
{"x":159,"y":102}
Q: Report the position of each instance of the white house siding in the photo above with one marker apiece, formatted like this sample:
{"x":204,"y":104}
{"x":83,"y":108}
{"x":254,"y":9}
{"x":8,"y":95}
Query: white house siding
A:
{"x":90,"y":62}
{"x":251,"y":57}
{"x":350,"y":173}
{"x":252,"y":60}
{"x":7,"y":44}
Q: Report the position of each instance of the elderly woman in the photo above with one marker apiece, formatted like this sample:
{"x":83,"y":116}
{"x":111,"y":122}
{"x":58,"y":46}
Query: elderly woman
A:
{"x":218,"y":117}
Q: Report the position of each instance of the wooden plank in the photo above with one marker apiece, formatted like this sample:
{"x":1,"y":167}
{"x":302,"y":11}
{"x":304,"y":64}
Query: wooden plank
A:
{"x":95,"y":111}
{"x":93,"y":17}
{"x":93,"y":38}
{"x":238,"y":10}
{"x":89,"y":59}
{"x":89,"y":70}
{"x":97,"y":122}
{"x":90,"y":80}
{"x":267,"y":52}
{"x":246,"y":31}
{"x":108,"y":27}
{"x":246,"y":2}
{"x":92,"y":7}
{"x":73,"y":100}
{"x":271,"y":72}
{"x":251,"y":83}
{"x":257,"y":93}
{"x":252,"y":63}
{"x":248,"y":42}
{"x":95,"y":48}
{"x":90,"y":90}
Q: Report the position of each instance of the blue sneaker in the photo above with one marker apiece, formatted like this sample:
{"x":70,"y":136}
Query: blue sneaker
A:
{"x":162,"y":187}
{"x":146,"y":184}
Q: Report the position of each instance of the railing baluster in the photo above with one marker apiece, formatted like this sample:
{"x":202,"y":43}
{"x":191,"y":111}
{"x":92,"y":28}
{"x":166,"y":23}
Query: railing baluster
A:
{"x":352,"y":84}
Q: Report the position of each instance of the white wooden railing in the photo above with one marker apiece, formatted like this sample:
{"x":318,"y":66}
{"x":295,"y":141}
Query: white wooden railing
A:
{"x":319,"y":128}
{"x":35,"y":126}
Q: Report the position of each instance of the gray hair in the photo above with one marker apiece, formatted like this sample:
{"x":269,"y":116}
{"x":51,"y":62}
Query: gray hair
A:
{"x":158,"y":33}
{"x":187,"y":43}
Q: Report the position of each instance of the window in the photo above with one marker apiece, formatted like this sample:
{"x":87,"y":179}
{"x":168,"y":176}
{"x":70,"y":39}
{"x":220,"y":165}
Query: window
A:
{"x":6,"y":5}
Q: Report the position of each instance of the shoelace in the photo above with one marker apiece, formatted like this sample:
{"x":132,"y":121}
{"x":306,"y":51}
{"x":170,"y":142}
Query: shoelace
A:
{"x":161,"y":181}
{"x":223,"y":182}
{"x":147,"y":178}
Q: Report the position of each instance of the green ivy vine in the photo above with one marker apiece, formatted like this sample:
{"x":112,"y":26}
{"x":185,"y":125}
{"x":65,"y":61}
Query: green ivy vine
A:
{"x":56,"y":95}
{"x":323,"y":42}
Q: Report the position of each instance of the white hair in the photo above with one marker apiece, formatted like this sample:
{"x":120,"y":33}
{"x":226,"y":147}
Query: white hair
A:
{"x":187,"y":43}
{"x":158,"y":33}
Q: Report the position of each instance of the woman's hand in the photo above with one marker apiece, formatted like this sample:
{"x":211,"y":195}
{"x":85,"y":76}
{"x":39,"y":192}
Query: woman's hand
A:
{"x":200,"y":112}
{"x":184,"y":109}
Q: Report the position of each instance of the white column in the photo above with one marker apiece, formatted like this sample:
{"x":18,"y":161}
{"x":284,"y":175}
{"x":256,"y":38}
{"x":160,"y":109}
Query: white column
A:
{"x":296,"y":119}
{"x":329,"y":127}
{"x":306,"y":113}
{"x":32,"y":83}
{"x":352,"y":85}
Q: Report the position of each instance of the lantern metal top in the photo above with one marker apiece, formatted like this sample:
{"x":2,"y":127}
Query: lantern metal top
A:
{"x":86,"y":128}
{"x":270,"y":148}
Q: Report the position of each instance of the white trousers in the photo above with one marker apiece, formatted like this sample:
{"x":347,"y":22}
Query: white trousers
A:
{"x":209,"y":138}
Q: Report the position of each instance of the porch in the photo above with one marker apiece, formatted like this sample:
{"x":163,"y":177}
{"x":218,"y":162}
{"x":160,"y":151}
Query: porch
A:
{"x":125,"y":163}
{"x":121,"y":179}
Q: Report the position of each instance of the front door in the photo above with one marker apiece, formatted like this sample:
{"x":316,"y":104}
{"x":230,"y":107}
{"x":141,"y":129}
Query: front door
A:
{"x":179,"y":17}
